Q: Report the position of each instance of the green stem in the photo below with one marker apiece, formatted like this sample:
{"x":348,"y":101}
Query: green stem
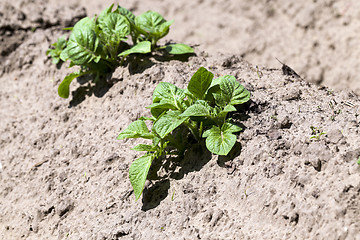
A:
{"x":201,"y":129}
{"x":153,"y":43}
{"x":193,"y":130}
{"x":134,"y":37}
{"x":110,"y":63}
{"x":179,"y":146}
{"x":179,"y":106}
{"x":161,"y":152}
{"x":122,"y":60}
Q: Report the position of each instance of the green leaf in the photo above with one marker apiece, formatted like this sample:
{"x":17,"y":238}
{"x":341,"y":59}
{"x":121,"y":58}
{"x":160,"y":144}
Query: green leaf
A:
{"x":189,"y":95}
{"x":220,"y":100}
{"x":64,"y":87}
{"x":145,"y":147}
{"x":115,"y":28}
{"x":230,"y":128}
{"x":156,"y":140}
{"x":200,"y":82}
{"x":168,"y":122}
{"x":196,"y":110}
{"x":156,"y":112}
{"x":127,"y":13}
{"x":165,"y":105}
{"x":164,"y":28}
{"x":158,"y":108}
{"x":138,"y":172}
{"x":59,"y":47}
{"x":213,"y":89}
{"x":229,"y":108}
{"x":147,"y":118}
{"x":178,"y":49}
{"x":169,"y":93}
{"x":60,"y":44}
{"x":221,"y":114}
{"x":142,"y":47}
{"x":131,"y":18}
{"x":219,"y":142}
{"x":83,"y":45}
{"x":152,"y":23}
{"x":64,"y":56}
{"x":103,"y":14}
{"x":232,"y":92}
{"x":216,"y":82}
{"x":137,"y":129}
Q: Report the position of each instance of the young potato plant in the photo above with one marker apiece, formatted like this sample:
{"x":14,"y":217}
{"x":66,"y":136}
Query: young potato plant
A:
{"x":198,"y":112}
{"x":100,"y":44}
{"x":55,"y":52}
{"x":316,"y":133}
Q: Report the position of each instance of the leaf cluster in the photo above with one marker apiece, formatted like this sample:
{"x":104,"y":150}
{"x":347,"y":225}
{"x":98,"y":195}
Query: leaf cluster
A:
{"x":199,"y":112}
{"x":100,"y":44}
{"x":316,"y":133}
{"x":55,"y":52}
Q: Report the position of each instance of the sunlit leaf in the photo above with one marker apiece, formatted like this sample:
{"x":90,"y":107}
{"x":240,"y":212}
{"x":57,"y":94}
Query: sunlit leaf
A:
{"x":138,"y":172}
{"x":137,"y":129}
{"x":200,"y":82}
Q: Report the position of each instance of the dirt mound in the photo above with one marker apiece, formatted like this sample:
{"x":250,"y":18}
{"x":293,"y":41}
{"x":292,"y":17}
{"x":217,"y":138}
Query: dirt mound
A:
{"x":63,"y":174}
{"x":20,"y":26}
{"x":318,"y":39}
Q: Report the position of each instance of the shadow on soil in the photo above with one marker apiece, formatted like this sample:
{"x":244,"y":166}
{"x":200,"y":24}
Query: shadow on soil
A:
{"x":164,"y":169}
{"x":88,"y":88}
{"x":135,"y":64}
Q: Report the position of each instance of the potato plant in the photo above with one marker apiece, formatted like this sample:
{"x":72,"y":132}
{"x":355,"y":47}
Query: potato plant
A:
{"x":200,"y":111}
{"x":100,"y":44}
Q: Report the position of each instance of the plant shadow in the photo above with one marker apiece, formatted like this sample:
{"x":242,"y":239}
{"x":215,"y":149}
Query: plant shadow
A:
{"x":87,"y":88}
{"x":195,"y":158}
{"x":226,"y":161}
{"x":136,"y":64}
{"x":163,"y":170}
{"x":153,"y":195}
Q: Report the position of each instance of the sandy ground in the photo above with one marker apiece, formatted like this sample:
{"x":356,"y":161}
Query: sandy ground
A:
{"x":64,"y":175}
{"x":319,"y":39}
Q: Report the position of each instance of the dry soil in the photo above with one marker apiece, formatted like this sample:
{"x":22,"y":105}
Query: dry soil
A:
{"x":63,"y":174}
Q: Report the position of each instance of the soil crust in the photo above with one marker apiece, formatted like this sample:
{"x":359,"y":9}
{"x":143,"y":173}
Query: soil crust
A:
{"x":63,"y":174}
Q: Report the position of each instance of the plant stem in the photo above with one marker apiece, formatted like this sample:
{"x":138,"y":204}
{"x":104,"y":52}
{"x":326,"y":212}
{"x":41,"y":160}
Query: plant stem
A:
{"x":122,"y":60}
{"x":153,"y":43}
{"x":201,"y":129}
{"x":110,"y":63}
{"x":193,"y":130}
{"x":179,"y":146}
